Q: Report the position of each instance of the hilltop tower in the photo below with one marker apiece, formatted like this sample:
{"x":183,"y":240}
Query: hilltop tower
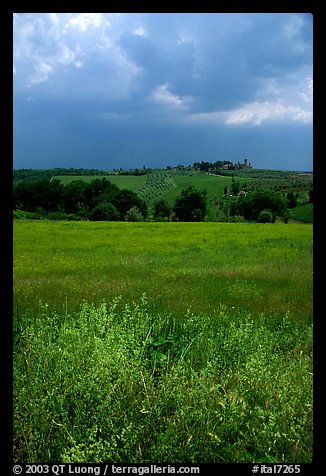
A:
{"x":246,"y":164}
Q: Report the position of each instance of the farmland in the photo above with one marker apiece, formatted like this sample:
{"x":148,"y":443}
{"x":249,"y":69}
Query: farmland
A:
{"x":154,"y":194}
{"x":160,"y":183}
{"x":162,"y":342}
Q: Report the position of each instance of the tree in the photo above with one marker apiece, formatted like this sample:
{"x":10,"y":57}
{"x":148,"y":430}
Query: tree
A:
{"x":291,"y":200}
{"x":252,"y":204}
{"x":235,"y":187}
{"x":190,"y":205}
{"x":99,"y":190}
{"x":125,"y":200}
{"x":25,"y":196}
{"x":43,"y":193}
{"x":104,"y":211}
{"x":162,"y":209}
{"x":225,"y":191}
{"x":50,"y":192}
{"x":73,"y":196}
{"x":311,"y":195}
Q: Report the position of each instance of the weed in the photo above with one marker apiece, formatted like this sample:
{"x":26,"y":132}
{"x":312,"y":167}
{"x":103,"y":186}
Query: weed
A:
{"x":212,"y":364}
{"x":106,"y":384}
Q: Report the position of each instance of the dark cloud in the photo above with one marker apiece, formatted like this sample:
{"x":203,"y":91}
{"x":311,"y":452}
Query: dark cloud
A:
{"x":152,"y":89}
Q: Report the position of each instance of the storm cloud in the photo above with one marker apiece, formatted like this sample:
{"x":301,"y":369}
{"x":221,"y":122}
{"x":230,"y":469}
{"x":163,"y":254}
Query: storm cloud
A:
{"x":127,"y":90}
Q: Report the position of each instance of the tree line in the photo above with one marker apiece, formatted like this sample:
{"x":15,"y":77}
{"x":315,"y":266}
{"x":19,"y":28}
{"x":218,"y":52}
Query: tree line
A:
{"x":101,"y":200}
{"x":30,"y":175}
{"x":96,"y":200}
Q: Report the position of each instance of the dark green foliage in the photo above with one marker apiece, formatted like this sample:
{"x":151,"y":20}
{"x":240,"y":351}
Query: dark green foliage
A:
{"x":78,"y":198}
{"x":100,"y":190}
{"x":105,"y":211}
{"x":265,"y":216}
{"x":292,"y":199}
{"x":162,"y":209}
{"x":39,"y":189}
{"x":32,"y":195}
{"x":235,"y":187}
{"x":25,"y":196}
{"x":73,"y":196}
{"x":311,"y":196}
{"x":191,"y":205}
{"x":124,"y":200}
{"x":33,"y":175}
{"x":252,"y":204}
{"x":134,"y":214}
{"x":302,"y":213}
{"x":216,"y":166}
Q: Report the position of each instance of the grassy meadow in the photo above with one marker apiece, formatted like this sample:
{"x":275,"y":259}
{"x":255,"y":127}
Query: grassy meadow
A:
{"x":162,"y":342}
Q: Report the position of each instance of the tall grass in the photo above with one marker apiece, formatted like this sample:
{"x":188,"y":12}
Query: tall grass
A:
{"x":213,"y":364}
{"x":252,"y":267}
{"x":122,"y":383}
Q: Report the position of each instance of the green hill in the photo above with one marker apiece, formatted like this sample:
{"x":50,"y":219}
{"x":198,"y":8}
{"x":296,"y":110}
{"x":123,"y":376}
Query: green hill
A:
{"x":154,"y":184}
{"x":167,"y":184}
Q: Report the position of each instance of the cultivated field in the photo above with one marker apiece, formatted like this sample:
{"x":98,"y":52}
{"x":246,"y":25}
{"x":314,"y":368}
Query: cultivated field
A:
{"x":162,"y":342}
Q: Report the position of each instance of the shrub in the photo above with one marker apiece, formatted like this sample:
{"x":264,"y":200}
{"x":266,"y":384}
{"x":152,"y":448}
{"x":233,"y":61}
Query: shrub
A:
{"x":22,"y":214}
{"x":134,"y":214}
{"x":265,"y":216}
{"x":303,"y":213}
{"x":105,"y":212}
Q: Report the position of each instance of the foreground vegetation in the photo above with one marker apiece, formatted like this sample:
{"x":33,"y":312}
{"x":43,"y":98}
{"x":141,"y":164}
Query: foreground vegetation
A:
{"x":137,"y":386}
{"x":162,"y":342}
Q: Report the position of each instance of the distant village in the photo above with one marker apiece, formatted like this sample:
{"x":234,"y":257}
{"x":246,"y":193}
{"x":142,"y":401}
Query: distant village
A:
{"x":230,"y":166}
{"x":224,"y":165}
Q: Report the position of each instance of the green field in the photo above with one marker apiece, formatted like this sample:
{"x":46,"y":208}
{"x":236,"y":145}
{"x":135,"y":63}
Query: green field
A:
{"x":213,"y":184}
{"x":162,"y":342}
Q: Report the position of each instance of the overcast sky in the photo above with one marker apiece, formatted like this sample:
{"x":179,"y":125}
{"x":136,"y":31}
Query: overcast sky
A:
{"x":131,"y":90}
